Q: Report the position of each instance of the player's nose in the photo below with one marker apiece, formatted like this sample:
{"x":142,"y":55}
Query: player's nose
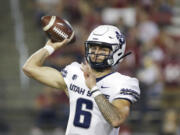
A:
{"x":97,"y":50}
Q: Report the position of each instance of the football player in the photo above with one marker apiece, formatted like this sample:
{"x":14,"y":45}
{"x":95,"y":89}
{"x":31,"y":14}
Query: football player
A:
{"x":99,"y":97}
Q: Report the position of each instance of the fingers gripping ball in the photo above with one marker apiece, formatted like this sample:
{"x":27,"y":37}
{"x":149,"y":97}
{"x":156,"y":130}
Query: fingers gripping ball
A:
{"x":56,"y":28}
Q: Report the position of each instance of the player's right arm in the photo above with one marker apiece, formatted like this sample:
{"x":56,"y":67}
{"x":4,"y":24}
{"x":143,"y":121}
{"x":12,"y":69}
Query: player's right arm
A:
{"x":34,"y":68}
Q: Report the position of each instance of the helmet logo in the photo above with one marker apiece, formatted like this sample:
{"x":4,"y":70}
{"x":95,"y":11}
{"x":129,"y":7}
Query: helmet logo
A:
{"x":121,"y":39}
{"x":110,"y":37}
{"x":95,"y":38}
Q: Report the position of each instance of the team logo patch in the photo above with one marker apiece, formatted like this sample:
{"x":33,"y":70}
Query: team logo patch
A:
{"x":121,"y":38}
{"x":74,"y":77}
{"x":64,"y":73}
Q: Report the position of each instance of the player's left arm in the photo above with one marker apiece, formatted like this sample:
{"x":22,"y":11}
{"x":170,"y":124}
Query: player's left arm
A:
{"x":116,"y":112}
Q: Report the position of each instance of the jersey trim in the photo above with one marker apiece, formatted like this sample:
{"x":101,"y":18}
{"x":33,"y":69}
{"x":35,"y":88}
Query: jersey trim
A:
{"x":100,"y":78}
{"x":131,"y":92}
{"x":124,"y":99}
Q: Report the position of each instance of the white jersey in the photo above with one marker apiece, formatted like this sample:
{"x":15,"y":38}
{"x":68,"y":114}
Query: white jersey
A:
{"x":85,"y":117}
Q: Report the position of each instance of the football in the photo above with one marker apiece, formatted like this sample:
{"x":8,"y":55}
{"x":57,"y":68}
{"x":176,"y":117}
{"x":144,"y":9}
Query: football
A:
{"x":56,"y":28}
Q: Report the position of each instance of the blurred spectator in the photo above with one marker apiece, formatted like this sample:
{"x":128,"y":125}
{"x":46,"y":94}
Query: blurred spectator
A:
{"x":151,"y":85}
{"x":147,"y":29}
{"x":172,"y":64}
{"x":170,"y":125}
{"x":47,"y":7}
{"x":172,"y":73}
{"x":150,"y":75}
{"x":52,"y":112}
{"x":112,"y":15}
{"x":122,"y":25}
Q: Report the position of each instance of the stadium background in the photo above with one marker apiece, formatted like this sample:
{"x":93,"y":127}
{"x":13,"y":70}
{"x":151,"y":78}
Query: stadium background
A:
{"x":152,"y":29}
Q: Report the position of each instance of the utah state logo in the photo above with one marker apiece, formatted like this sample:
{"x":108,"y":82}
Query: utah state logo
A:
{"x":121,"y":38}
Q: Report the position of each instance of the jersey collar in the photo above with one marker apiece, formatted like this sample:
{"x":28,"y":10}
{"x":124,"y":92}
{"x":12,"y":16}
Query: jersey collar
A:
{"x":100,"y":78}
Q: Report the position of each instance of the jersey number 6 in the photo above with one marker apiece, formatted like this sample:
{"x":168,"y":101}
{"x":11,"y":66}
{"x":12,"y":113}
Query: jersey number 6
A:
{"x":82,"y":116}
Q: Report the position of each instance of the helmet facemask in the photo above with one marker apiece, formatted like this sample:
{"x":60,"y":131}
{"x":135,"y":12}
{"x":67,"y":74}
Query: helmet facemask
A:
{"x":95,"y":64}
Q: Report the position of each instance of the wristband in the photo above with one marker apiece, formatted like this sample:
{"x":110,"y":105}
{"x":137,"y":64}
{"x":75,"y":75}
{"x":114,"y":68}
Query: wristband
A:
{"x":95,"y":91}
{"x":49,"y":48}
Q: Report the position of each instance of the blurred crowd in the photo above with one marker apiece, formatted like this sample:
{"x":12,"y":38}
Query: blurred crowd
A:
{"x":155,"y":51}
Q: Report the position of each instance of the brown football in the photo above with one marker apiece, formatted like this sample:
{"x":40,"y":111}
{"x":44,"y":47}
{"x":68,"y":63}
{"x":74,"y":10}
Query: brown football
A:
{"x":56,"y":28}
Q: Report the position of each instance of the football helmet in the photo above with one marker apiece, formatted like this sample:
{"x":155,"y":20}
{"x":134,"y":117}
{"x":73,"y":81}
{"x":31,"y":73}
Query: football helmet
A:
{"x":106,"y":36}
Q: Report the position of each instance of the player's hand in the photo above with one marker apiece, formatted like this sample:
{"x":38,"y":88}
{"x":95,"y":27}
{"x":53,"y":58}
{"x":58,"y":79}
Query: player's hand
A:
{"x":57,"y":45}
{"x":90,"y":78}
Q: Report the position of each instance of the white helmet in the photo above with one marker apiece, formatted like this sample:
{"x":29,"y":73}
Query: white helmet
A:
{"x":108,"y":36}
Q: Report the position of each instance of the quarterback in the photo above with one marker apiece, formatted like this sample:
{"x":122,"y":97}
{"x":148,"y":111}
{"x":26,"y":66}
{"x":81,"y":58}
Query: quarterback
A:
{"x":99,"y":97}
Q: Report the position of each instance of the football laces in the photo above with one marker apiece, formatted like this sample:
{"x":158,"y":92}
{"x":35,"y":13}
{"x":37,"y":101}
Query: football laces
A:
{"x":60,"y":33}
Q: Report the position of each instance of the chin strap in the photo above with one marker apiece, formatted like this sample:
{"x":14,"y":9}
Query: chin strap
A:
{"x":125,"y":55}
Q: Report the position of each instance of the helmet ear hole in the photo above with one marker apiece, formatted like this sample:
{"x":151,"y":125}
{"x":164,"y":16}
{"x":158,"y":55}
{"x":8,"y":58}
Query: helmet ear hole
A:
{"x":119,"y":54}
